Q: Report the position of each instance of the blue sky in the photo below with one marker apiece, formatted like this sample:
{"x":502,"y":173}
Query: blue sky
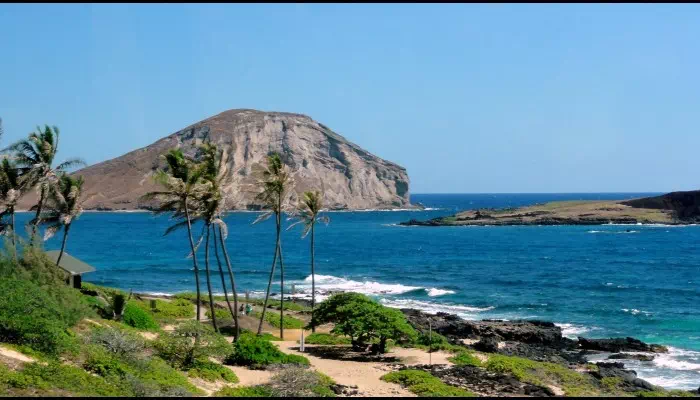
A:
{"x":469,"y":98}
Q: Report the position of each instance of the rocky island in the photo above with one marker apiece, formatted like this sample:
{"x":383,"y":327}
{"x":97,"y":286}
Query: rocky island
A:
{"x":676,"y":208}
{"x":349,"y":176}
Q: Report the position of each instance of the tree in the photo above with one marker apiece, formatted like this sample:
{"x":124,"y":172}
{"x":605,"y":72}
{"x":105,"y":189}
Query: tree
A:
{"x":63,"y":207}
{"x":310,"y":207}
{"x":215,"y":175}
{"x":181,"y":182}
{"x":11,"y":190}
{"x":35,"y":157}
{"x":363,"y":319}
{"x":275,"y":182}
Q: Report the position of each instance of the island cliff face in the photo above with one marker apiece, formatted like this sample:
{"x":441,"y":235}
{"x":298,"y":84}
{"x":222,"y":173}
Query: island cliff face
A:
{"x":349,"y":177}
{"x":676,"y":208}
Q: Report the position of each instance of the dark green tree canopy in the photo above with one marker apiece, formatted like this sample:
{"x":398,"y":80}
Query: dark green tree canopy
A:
{"x":363,"y":319}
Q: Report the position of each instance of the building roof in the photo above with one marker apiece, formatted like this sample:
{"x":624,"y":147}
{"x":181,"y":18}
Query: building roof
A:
{"x":69,"y":263}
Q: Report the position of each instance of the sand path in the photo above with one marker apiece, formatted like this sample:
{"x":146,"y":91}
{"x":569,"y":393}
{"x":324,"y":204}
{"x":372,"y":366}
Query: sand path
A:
{"x":364,"y":374}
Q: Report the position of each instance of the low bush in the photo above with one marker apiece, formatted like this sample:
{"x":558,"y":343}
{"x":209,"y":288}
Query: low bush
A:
{"x":167,"y":311}
{"x":465,"y":358}
{"x":182,"y":350}
{"x":326,"y":339}
{"x":30,"y":316}
{"x":138,"y":318}
{"x":543,"y":373}
{"x":299,"y":382}
{"x":211,"y":372}
{"x":257,"y":352}
{"x":57,"y":376}
{"x":424,"y":384}
{"x":122,"y":343}
{"x":246,"y":391}
{"x":273,"y":318}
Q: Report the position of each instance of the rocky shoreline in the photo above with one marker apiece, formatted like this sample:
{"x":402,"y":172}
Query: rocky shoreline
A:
{"x":676,"y":208}
{"x":534,"y":340}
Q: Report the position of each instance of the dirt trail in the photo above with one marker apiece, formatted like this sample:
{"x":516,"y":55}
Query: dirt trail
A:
{"x":363,"y":374}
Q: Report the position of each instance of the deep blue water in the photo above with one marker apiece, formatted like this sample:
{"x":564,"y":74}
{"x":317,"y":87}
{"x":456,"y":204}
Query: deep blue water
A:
{"x":597,"y":281}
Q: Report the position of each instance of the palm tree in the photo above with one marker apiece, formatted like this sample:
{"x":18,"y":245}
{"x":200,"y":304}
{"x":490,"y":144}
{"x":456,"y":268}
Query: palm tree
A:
{"x":63,"y":206}
{"x":212,"y":202}
{"x":275,"y":183}
{"x":181,"y":182}
{"x":10,"y":192}
{"x":308,"y":211}
{"x":35,"y":157}
{"x":216,"y":176}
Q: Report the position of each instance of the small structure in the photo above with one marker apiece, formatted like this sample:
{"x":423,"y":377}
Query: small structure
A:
{"x":73,"y":267}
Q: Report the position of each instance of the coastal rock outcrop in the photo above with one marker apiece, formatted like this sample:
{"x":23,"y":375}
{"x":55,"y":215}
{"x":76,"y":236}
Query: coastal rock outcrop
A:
{"x":349,"y":176}
{"x":617,"y":345}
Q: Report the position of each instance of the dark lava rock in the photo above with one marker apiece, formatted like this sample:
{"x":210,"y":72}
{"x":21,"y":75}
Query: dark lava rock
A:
{"x":630,"y":382}
{"x":618,"y":345}
{"x":483,"y":382}
{"x":455,"y":328}
{"x":541,"y":353}
{"x":488,"y":344}
{"x":629,"y":356}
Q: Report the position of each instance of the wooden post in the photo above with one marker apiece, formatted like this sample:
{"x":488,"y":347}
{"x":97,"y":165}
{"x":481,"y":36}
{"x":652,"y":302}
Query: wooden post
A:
{"x":301,"y":342}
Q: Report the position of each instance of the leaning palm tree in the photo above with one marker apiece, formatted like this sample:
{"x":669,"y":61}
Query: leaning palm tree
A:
{"x":35,"y":157}
{"x":308,"y":211}
{"x":276,"y":180}
{"x":63,"y":206}
{"x":212,"y":202}
{"x":181,"y":182}
{"x":11,"y":190}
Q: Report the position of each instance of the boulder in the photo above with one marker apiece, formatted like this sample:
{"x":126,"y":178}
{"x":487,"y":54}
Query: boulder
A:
{"x":630,"y":356}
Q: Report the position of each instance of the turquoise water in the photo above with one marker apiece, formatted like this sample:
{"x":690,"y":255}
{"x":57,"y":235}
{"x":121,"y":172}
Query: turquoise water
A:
{"x":595,"y":281}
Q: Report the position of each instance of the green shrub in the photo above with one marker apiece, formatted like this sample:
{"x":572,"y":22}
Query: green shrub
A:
{"x":542,"y":373}
{"x":245,"y":391}
{"x":362,"y":319}
{"x":121,"y":343}
{"x":326,"y":339}
{"x":212,"y":372}
{"x":299,"y":382}
{"x":168,"y":311}
{"x":30,"y":316}
{"x":65,"y":377}
{"x":251,"y":350}
{"x":465,"y":358}
{"x":182,"y":350}
{"x":138,"y":318}
{"x":166,"y":379}
{"x":104,"y":363}
{"x":273,"y":318}
{"x":222,"y":314}
{"x":424,"y":384}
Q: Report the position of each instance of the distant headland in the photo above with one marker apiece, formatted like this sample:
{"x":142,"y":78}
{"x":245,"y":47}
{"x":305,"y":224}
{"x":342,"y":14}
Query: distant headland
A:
{"x":675,"y":208}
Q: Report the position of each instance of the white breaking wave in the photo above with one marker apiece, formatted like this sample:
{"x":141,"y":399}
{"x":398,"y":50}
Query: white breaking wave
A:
{"x":433,"y":292}
{"x":679,"y":359}
{"x":466,"y":312}
{"x":327,"y":284}
{"x":573,"y":331}
{"x":634,"y":311}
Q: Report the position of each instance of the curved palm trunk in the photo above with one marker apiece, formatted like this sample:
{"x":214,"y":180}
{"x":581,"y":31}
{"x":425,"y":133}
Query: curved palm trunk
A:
{"x":63,"y":245}
{"x":221,"y":273}
{"x":269,"y":282}
{"x":206,"y":265}
{"x":12,"y":232}
{"x":313,"y":278}
{"x":279,"y":244}
{"x":39,"y":207}
{"x":194,"y":258}
{"x":233,"y":285}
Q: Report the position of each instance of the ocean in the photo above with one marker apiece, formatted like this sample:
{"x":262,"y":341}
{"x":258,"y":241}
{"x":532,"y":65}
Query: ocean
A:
{"x":595,"y":281}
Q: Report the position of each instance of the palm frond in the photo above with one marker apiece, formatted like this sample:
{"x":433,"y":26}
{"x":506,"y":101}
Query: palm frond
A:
{"x":70,"y":163}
